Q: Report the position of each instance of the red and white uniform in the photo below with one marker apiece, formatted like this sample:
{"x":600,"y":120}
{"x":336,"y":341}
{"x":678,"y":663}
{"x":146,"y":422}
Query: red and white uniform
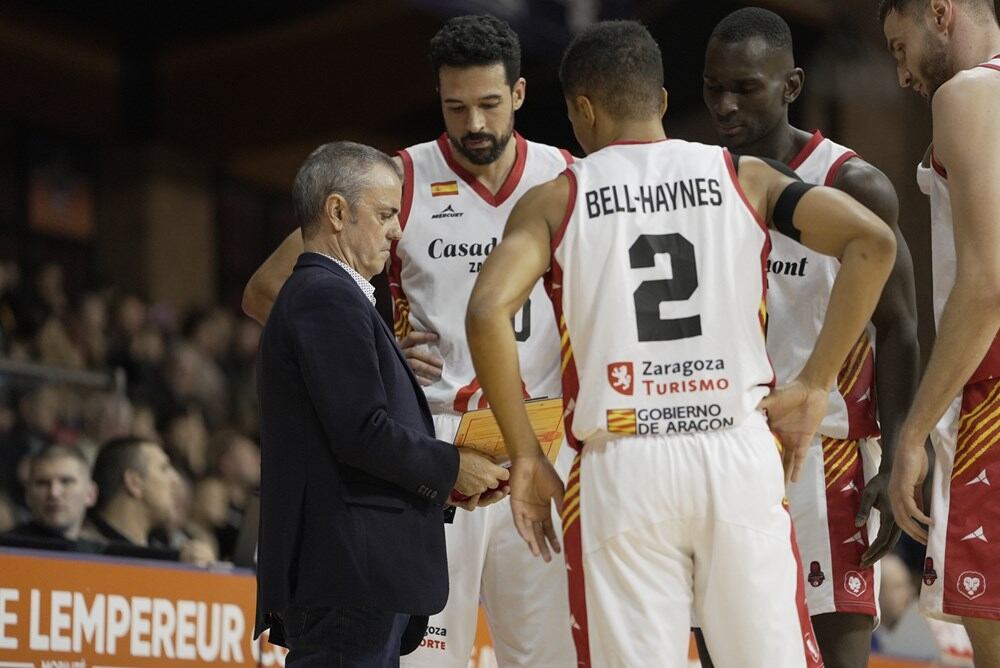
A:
{"x":962,"y":567}
{"x":450,"y":224}
{"x":845,"y":453}
{"x":676,"y":500}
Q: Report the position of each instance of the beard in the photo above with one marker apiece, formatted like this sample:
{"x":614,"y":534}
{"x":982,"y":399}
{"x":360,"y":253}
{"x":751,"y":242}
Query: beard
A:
{"x":935,"y":67}
{"x":483,"y":156}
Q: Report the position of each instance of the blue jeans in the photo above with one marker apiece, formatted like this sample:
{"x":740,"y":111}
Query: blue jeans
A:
{"x":342,"y":637}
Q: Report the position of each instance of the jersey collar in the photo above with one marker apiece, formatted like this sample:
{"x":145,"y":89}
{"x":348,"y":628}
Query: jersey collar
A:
{"x":509,"y":184}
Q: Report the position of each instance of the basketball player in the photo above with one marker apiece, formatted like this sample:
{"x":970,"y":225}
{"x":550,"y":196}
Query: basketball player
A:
{"x":750,"y":80}
{"x":657,"y":251}
{"x":457,"y":193}
{"x":949,"y":52}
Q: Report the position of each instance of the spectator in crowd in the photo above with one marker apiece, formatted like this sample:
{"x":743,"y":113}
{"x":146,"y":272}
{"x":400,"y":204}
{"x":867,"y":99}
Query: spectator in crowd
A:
{"x":236,"y":462}
{"x":242,"y":378}
{"x":35,"y":427}
{"x":903,"y":631}
{"x":186,"y":436}
{"x":58,"y":492}
{"x":106,"y":415}
{"x":137,"y":492}
{"x":8,"y":514}
{"x":206,"y":333}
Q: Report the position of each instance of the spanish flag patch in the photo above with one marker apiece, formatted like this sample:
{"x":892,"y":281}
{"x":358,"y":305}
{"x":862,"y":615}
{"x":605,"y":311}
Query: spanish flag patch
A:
{"x":443,"y":188}
{"x":621,"y":421}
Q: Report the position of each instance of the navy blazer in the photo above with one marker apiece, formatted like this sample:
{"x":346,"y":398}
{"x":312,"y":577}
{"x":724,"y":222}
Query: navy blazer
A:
{"x":353,"y":481}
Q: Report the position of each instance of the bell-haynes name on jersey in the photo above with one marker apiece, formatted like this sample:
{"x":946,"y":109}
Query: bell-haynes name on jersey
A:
{"x":658,"y":198}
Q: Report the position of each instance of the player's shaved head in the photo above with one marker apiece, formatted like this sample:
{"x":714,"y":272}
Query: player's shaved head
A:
{"x":885,"y":7}
{"x":754,"y":22}
{"x":618,"y":65}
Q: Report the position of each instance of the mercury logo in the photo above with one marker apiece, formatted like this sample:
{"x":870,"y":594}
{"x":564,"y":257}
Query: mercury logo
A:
{"x":448,"y":212}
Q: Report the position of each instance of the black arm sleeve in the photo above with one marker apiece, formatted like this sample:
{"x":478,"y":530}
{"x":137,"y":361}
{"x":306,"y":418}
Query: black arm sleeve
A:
{"x":784,"y":208}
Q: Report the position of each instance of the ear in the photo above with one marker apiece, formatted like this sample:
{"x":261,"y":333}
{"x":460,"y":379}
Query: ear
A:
{"x":940,"y":13}
{"x":335,"y":211}
{"x":132,"y":482}
{"x":517,"y":93}
{"x":794,"y":81}
{"x":586,"y":109}
{"x":664,"y":96}
{"x":90,"y":498}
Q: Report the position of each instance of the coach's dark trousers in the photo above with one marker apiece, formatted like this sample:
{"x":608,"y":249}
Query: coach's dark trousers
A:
{"x":342,"y":637}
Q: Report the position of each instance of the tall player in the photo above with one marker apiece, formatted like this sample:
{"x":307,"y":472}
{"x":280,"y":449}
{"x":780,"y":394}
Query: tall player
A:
{"x":949,"y":52}
{"x":657,"y":250}
{"x":750,"y":81}
{"x":458,"y":191}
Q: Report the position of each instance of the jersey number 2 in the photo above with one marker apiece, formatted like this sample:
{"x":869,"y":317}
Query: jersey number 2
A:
{"x":650,"y":294}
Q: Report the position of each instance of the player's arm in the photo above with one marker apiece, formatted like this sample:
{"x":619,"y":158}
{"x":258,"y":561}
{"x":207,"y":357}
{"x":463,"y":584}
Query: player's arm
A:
{"x":262,"y":289}
{"x":504,"y":283}
{"x":832,"y":223}
{"x":897,"y":364}
{"x":966,"y":141}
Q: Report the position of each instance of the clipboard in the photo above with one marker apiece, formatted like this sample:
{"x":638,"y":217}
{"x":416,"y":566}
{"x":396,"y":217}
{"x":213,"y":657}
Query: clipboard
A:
{"x":479,"y":429}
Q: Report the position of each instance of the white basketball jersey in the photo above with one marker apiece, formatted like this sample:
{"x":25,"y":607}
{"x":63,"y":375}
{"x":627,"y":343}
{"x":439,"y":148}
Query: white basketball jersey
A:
{"x":933,"y":181}
{"x":658,"y":283}
{"x":451,"y":223}
{"x":799,"y":284}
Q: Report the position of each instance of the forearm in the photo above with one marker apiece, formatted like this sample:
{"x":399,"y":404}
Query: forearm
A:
{"x":968,"y":325}
{"x":897,"y":372}
{"x":865,"y":266}
{"x":258,"y":300}
{"x":404,"y":457}
{"x":494,"y":353}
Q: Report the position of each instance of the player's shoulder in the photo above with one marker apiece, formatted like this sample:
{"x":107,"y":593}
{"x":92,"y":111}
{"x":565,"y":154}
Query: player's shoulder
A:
{"x":965,"y":89}
{"x":559,"y":157}
{"x":857,"y":174}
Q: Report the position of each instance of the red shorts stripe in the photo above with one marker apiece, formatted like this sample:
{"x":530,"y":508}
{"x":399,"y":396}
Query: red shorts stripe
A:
{"x":573,"y":546}
{"x":810,"y":647}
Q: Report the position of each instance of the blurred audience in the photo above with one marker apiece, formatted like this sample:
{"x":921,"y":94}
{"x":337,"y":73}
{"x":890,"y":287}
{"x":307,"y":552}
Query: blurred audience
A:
{"x":903,"y":630}
{"x":138,"y":492}
{"x":59,"y":491}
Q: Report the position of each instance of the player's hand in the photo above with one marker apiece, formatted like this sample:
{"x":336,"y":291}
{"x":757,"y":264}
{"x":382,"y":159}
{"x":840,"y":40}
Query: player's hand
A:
{"x":876,"y":495}
{"x":493,"y":496}
{"x":426,"y":365}
{"x":477,"y":473}
{"x":794,"y":412}
{"x":198,"y":553}
{"x":534,"y":484}
{"x":906,"y":488}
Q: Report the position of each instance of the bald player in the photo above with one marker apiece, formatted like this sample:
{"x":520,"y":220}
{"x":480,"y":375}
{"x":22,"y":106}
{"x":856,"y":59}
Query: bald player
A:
{"x":657,"y":251}
{"x":949,"y":52}
{"x":750,"y":80}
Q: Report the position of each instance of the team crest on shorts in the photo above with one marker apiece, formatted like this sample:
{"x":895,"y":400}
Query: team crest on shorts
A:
{"x":621,"y":377}
{"x":816,"y":575}
{"x":854,"y":583}
{"x":971,"y":584}
{"x":930,"y":575}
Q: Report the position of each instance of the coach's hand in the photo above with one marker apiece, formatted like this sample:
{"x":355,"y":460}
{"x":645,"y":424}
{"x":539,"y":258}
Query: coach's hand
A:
{"x":534,"y":484}
{"x":426,"y":365}
{"x":906,"y":487}
{"x":477,"y":473}
{"x":794,"y":412}
{"x":876,"y":495}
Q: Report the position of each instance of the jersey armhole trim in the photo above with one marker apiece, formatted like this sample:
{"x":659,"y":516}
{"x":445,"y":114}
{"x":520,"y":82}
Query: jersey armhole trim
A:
{"x":404,"y":212}
{"x":938,"y":167}
{"x":807,"y":150}
{"x":570,"y":205}
{"x":990,"y":66}
{"x":739,"y":189}
{"x":567,"y":156}
{"x":831,"y":175}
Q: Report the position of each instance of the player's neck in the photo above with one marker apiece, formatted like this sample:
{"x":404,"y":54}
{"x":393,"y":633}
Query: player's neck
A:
{"x":495,"y":173}
{"x":781,"y":144}
{"x":636,"y":131}
{"x":980,"y":43}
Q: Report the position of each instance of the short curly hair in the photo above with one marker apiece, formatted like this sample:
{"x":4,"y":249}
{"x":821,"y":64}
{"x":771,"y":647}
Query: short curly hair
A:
{"x":468,"y":41}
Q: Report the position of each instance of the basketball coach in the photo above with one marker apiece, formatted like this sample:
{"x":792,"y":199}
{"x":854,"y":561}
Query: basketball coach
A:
{"x":351,"y":556}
